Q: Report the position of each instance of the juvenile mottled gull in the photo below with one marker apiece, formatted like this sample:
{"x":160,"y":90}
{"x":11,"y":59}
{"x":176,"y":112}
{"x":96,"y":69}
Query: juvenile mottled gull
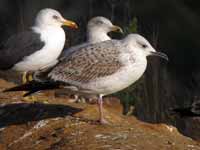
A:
{"x":38,"y":47}
{"x":98,"y":69}
{"x":97,"y":31}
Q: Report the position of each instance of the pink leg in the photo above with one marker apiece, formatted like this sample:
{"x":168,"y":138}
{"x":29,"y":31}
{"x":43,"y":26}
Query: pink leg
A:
{"x":100,"y":104}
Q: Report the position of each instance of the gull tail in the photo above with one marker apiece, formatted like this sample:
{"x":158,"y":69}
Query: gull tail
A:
{"x":33,"y":87}
{"x":190,"y":111}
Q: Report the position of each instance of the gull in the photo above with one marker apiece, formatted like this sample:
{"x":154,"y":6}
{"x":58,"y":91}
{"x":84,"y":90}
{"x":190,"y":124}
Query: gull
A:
{"x":98,"y":69}
{"x":37,"y":48}
{"x":97,"y":31}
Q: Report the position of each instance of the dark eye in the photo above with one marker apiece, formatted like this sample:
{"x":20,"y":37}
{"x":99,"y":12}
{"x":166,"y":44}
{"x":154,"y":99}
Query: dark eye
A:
{"x":55,"y":17}
{"x":144,"y":45}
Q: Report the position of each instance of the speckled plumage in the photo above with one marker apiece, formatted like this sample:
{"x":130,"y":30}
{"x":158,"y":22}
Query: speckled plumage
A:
{"x":89,"y":63}
{"x":100,"y":69}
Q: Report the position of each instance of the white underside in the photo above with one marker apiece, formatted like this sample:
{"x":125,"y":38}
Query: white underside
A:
{"x":118,"y":81}
{"x":54,"y":38}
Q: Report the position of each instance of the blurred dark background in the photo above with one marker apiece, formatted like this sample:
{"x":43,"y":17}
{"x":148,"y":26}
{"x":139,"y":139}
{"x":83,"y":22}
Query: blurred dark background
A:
{"x":172,"y":26}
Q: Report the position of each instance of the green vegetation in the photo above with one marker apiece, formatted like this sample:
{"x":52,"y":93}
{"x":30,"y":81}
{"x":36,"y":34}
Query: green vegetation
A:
{"x":132,"y":27}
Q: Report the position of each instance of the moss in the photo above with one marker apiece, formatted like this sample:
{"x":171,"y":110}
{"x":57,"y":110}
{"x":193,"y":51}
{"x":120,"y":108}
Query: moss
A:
{"x":132,"y":27}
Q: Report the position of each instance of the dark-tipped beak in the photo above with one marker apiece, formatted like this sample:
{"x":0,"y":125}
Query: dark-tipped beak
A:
{"x":160,"y":54}
{"x":115,"y":28}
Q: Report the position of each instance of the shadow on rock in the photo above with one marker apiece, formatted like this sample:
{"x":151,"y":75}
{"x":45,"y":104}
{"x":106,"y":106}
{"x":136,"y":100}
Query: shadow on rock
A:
{"x":12,"y":114}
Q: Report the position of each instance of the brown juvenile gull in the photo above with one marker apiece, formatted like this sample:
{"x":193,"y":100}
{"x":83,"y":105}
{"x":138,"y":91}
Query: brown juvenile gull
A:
{"x":98,"y":69}
{"x":37,"y":48}
{"x":97,"y":31}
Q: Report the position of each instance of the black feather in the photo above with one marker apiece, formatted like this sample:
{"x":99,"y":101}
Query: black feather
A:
{"x":19,"y":46}
{"x":190,"y":111}
{"x":34,"y":86}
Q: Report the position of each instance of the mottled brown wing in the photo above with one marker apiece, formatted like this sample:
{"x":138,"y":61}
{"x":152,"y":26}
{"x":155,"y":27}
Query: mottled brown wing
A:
{"x":88,"y":63}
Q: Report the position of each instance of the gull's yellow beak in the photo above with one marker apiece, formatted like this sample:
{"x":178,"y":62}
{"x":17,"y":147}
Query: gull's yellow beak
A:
{"x":69,"y":23}
{"x":116,"y":29}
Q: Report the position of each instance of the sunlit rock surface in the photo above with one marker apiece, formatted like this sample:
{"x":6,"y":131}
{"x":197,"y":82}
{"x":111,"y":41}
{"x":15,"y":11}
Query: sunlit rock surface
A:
{"x":70,"y":126}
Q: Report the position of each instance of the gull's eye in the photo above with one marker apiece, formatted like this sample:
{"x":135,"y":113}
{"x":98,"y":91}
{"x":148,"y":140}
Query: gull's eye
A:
{"x":55,"y":17}
{"x":99,"y":22}
{"x":144,"y":45}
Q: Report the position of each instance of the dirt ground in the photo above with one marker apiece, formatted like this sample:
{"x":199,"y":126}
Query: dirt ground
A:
{"x":62,"y":125}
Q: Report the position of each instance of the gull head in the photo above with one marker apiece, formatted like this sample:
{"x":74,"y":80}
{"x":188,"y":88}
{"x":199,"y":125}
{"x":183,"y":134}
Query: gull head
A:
{"x":103,"y":24}
{"x":51,"y":17}
{"x":140,"y":44}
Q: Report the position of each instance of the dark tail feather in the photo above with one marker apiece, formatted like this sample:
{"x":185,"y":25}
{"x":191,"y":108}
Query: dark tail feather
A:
{"x":33,"y":87}
{"x":186,"y":112}
{"x":182,"y":112}
{"x":30,"y":93}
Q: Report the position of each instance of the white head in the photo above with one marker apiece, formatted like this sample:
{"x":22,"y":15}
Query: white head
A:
{"x":51,"y":17}
{"x":139,"y":43}
{"x":98,"y":27}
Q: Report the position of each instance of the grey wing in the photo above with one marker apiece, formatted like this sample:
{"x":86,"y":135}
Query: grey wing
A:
{"x":88,"y":63}
{"x":19,"y":46}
